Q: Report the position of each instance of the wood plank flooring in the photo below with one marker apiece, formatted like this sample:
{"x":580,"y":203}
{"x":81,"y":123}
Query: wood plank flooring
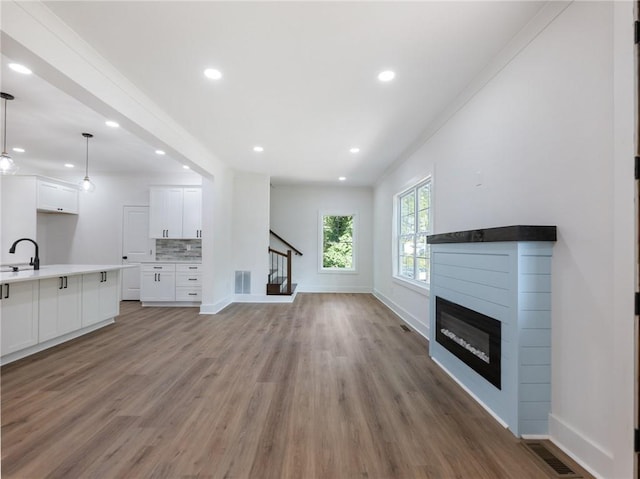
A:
{"x":327,"y":387}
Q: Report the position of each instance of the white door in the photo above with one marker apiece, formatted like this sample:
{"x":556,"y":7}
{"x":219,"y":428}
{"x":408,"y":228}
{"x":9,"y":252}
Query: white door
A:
{"x":137,"y":248}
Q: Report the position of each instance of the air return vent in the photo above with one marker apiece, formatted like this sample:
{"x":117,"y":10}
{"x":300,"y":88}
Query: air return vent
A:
{"x":550,"y":461}
{"x":243,"y":282}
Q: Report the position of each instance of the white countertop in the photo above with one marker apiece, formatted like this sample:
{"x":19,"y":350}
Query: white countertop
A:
{"x":54,"y":270}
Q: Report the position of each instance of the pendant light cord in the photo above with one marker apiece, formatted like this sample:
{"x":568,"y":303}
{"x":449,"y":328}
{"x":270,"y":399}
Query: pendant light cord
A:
{"x":4,"y":140}
{"x":86,"y":173}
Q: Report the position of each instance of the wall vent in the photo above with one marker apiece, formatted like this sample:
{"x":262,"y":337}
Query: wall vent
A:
{"x":550,"y":461}
{"x":243,"y":282}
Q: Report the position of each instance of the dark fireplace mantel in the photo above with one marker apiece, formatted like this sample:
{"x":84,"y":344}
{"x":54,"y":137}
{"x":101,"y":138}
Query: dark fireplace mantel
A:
{"x":503,"y":233}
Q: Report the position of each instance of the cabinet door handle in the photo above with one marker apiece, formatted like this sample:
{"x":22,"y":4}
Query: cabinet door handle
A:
{"x":193,"y":294}
{"x":158,"y":276}
{"x":6,"y":295}
{"x":155,"y":277}
{"x":193,"y":279}
{"x":66,"y":279}
{"x":157,"y":267}
{"x":61,"y":282}
{"x":193,"y":267}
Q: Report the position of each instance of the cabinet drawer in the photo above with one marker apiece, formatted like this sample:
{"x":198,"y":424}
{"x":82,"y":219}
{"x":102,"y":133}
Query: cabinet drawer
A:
{"x":191,"y":268}
{"x":157,"y":267}
{"x":188,"y":279}
{"x":188,"y":294}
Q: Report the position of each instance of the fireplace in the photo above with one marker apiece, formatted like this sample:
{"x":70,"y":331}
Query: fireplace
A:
{"x":472,"y":337}
{"x":490,"y":299}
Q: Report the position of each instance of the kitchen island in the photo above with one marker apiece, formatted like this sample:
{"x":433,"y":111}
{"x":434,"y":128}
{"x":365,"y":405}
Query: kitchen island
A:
{"x":57,"y":303}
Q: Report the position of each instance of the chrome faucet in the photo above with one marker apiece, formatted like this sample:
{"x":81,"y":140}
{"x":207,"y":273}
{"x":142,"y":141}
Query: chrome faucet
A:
{"x":35,"y":261}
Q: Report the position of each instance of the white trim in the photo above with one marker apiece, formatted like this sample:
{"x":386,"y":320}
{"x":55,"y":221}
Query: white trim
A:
{"x":577,"y":446}
{"x":395,"y":228}
{"x":417,"y":325}
{"x":333,"y":289}
{"x":264,"y":298}
{"x":169,"y":304}
{"x":215,"y":308}
{"x":354,"y":242}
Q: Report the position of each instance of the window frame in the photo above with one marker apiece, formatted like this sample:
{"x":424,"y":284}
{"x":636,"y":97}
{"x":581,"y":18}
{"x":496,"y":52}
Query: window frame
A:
{"x":354,"y":243}
{"x":412,"y":283}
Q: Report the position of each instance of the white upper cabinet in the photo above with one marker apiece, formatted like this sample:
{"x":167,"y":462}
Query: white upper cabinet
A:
{"x":192,"y":213}
{"x":57,"y":197}
{"x":175,"y":212}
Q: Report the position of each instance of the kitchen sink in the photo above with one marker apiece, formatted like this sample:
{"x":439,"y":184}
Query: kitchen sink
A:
{"x":8,"y":268}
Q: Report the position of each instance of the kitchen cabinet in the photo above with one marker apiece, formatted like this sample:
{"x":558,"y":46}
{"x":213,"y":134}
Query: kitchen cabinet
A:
{"x":175,"y":212}
{"x":19,"y":304}
{"x":60,"y":306}
{"x":57,"y":197}
{"x":165,"y":212}
{"x":188,"y":282}
{"x":157,"y":282}
{"x":192,"y":213}
{"x":168,"y":282}
{"x":100,"y":296}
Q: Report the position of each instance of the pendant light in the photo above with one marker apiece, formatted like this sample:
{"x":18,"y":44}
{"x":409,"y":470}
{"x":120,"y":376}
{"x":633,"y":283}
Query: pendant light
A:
{"x":7,"y":165}
{"x":86,"y":184}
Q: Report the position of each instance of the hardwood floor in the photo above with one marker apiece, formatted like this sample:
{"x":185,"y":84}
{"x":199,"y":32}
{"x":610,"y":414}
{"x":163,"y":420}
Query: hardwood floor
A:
{"x":327,"y":387}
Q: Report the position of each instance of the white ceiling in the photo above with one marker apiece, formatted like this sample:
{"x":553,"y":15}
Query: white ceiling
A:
{"x":299,"y":79}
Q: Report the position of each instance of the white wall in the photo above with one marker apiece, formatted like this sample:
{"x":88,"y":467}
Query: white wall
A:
{"x":95,"y":235}
{"x":541,"y":134}
{"x":250,"y":228}
{"x":294,"y":216}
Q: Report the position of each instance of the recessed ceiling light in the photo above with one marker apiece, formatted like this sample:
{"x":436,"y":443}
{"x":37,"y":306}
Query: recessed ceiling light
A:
{"x":111,"y":123}
{"x":258,"y":149}
{"x":18,"y":150}
{"x":186,"y":167}
{"x":354,"y":150}
{"x":69,"y":165}
{"x":160,"y":152}
{"x":213,"y":74}
{"x":16,"y":67}
{"x":342,"y":178}
{"x":386,"y":75}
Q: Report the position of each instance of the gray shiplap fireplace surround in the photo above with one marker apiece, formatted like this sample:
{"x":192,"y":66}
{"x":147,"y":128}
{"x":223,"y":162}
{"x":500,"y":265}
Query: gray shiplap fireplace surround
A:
{"x":503,"y":275}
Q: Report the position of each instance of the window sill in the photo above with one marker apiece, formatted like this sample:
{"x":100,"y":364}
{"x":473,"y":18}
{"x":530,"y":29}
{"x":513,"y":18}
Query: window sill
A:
{"x":420,"y":288}
{"x":337,"y":271}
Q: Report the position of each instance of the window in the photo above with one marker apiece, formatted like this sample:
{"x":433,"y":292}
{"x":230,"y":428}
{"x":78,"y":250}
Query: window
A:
{"x":338,"y":242}
{"x":414,"y":224}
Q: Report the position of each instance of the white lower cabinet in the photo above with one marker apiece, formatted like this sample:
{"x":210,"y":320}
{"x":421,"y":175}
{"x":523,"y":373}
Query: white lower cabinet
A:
{"x":19,"y":303}
{"x":100,"y":297}
{"x":60,"y":306}
{"x":168,"y":282}
{"x":158,"y":282}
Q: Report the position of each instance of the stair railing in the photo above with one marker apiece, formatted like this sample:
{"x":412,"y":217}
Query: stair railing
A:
{"x":280,"y":266}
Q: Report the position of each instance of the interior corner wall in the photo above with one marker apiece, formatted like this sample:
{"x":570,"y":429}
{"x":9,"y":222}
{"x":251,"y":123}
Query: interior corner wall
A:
{"x":294,"y":216}
{"x":250,"y":229}
{"x":217,"y":213}
{"x":535,"y":145}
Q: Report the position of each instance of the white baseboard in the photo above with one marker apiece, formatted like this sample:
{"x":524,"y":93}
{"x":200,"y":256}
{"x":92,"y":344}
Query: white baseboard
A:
{"x":304,"y":288}
{"x":215,"y":308}
{"x":406,"y":316}
{"x":579,"y":448}
{"x":264,"y":298}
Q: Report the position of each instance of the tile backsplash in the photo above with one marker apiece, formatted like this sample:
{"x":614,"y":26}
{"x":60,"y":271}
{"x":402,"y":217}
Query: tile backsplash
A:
{"x":179,"y":250}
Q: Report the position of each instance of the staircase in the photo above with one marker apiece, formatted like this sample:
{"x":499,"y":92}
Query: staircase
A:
{"x":279,"y":280}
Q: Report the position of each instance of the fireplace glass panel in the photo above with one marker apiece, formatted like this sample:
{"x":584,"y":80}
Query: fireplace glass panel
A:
{"x":472,"y":337}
